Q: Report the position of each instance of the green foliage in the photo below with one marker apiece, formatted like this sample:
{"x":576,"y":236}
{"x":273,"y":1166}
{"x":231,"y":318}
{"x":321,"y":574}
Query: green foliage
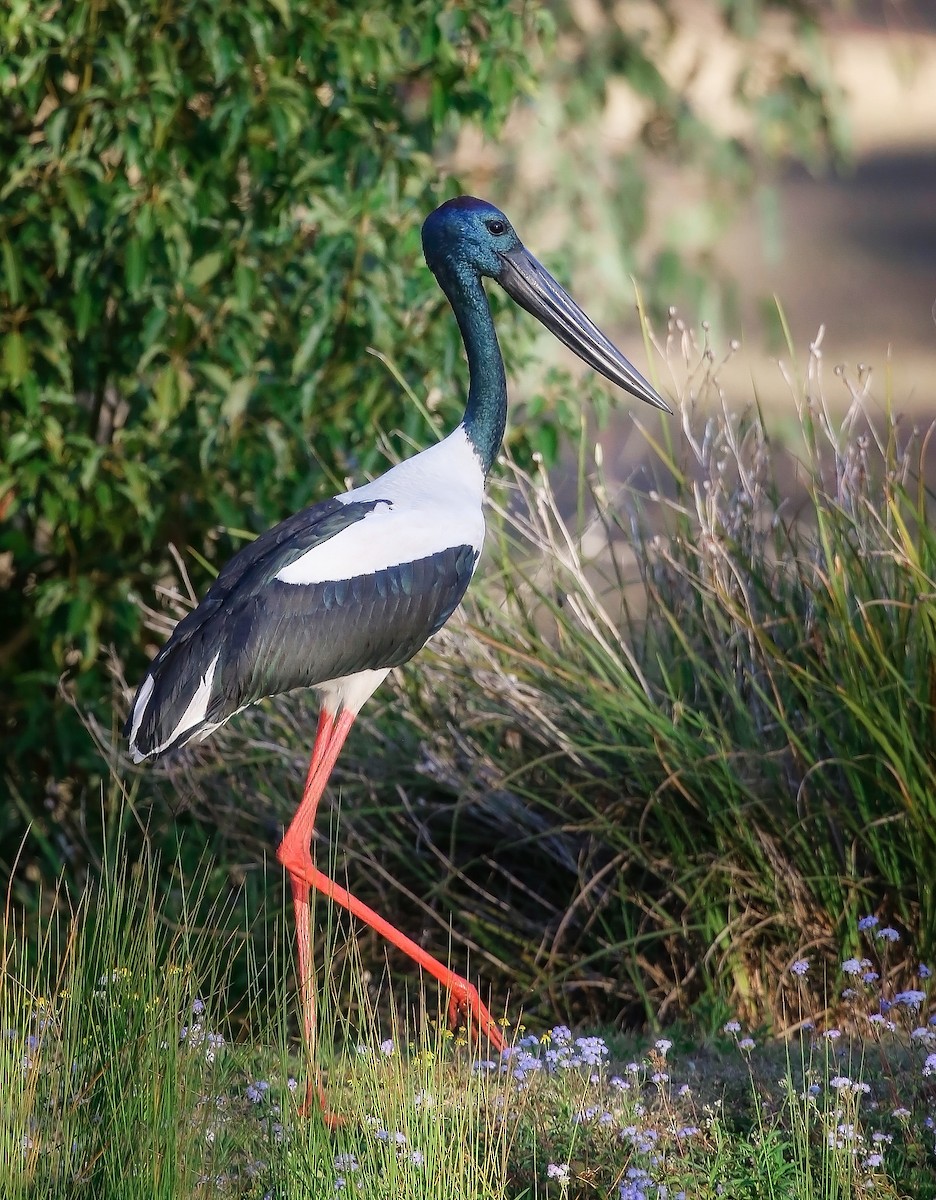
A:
{"x":209,"y":220}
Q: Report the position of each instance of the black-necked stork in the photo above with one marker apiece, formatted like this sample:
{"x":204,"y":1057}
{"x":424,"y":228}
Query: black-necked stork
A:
{"x":336,"y":596}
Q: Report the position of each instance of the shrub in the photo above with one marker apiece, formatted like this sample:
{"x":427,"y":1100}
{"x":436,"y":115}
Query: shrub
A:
{"x":209,"y":223}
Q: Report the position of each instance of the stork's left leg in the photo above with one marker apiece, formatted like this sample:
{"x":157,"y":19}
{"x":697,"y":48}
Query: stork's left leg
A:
{"x":329,"y":739}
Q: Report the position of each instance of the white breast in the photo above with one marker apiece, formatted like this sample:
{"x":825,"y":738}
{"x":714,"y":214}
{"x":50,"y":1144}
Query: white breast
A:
{"x":425,"y":505}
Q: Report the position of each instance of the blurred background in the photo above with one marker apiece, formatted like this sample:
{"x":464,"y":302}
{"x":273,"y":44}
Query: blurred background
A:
{"x":832,"y":214}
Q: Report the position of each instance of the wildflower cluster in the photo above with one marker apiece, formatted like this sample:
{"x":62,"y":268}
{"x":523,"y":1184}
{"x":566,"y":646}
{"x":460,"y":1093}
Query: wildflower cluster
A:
{"x":196,"y":1036}
{"x":553,"y":1053}
{"x":897,"y":1019}
{"x":636,"y":1114}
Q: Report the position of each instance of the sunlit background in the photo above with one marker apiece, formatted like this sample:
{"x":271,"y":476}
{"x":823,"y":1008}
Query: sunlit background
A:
{"x":847,"y":244}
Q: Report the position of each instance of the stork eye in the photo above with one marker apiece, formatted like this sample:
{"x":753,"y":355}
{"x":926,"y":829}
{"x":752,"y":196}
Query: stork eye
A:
{"x":496,"y":227}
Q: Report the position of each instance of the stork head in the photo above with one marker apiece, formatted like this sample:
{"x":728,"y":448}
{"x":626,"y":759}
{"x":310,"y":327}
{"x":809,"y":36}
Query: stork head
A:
{"x":467,"y":233}
{"x":468,"y":237}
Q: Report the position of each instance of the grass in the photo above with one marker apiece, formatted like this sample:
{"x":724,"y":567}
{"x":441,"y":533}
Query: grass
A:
{"x":679,"y":744}
{"x":704,"y":739}
{"x":123,"y":1075}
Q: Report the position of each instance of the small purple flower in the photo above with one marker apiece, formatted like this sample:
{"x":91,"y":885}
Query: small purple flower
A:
{"x":559,"y":1172}
{"x":844,"y":1135}
{"x":887,"y":934}
{"x":910,"y":999}
{"x":929,"y":1067}
{"x":635,"y":1184}
{"x":591,"y":1050}
{"x":746,"y":1043}
{"x":867,"y":923}
{"x":854,"y":966}
{"x":870,"y":977}
{"x":800,"y":967}
{"x":386,"y":1047}
{"x":732,"y":1027}
{"x":923,"y":971}
{"x":874,"y":1160}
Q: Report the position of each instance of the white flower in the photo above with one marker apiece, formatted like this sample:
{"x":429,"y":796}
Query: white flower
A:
{"x":559,"y":1172}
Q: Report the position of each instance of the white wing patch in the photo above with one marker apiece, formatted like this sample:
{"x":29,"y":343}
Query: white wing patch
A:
{"x":194,"y":713}
{"x":146,"y":690}
{"x":425,"y":505}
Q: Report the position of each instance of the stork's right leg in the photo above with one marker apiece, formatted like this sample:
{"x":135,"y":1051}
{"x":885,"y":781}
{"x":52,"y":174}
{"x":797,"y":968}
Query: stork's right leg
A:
{"x":464,"y":999}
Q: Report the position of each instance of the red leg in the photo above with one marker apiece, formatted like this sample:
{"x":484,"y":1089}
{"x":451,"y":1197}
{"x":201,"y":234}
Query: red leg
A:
{"x":295,"y":854}
{"x":464,"y":998}
{"x":328,"y":743}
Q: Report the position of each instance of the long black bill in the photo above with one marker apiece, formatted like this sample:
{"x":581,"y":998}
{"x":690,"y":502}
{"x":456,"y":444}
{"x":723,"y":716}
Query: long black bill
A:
{"x":531,"y":285}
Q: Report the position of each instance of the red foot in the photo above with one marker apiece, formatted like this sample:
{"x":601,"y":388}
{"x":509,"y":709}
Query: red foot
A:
{"x":315,"y":1101}
{"x":465,"y":1003}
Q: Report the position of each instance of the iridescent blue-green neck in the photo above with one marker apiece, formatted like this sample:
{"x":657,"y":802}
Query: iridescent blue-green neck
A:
{"x":486,"y":411}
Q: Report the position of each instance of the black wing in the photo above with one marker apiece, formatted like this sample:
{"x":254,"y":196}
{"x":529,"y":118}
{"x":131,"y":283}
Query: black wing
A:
{"x":269,"y":637}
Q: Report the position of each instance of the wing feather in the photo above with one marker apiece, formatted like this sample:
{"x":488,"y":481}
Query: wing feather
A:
{"x":254,"y":636}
